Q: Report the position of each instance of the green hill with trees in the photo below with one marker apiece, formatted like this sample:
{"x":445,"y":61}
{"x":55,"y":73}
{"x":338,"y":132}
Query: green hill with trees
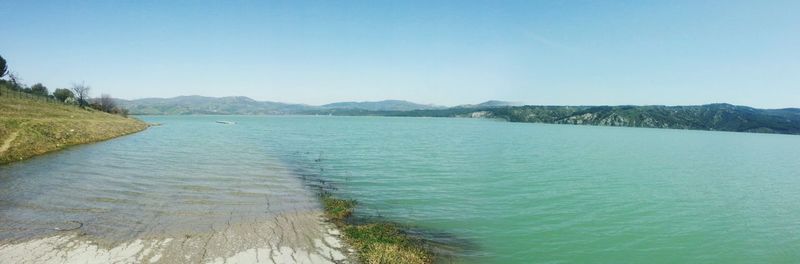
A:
{"x":33,"y":121}
{"x":717,"y":117}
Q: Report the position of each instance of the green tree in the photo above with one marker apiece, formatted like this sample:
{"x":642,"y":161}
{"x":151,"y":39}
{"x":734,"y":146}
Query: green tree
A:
{"x":39,"y":89}
{"x":3,"y":67}
{"x":62,"y":94}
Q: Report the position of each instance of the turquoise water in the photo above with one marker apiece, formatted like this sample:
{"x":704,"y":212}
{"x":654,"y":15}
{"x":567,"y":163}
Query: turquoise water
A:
{"x":500,"y":192}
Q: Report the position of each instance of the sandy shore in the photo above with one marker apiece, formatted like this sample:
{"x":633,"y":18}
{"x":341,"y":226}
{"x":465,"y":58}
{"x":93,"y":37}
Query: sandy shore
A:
{"x":299,"y":237}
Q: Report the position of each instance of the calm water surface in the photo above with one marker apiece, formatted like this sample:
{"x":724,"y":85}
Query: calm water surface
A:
{"x":505,"y":192}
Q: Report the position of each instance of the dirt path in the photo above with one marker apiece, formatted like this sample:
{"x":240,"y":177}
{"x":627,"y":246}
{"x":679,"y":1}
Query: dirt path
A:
{"x":7,"y":144}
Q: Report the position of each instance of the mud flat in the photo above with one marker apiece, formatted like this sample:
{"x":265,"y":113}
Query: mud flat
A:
{"x":296,"y":237}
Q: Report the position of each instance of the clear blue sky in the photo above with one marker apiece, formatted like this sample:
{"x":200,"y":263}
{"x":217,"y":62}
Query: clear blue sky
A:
{"x":443,"y":52}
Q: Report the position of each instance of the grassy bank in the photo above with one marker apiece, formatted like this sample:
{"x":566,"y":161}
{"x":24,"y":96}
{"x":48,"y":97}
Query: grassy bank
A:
{"x":379,"y":242}
{"x":30,"y":127}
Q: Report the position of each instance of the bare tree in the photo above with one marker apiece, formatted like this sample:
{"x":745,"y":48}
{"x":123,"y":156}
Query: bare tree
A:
{"x":107,"y":103}
{"x":14,"y":80}
{"x":81,"y":93}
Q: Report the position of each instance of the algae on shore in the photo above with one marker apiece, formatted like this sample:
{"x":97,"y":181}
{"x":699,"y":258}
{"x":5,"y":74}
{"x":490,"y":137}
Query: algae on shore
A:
{"x":379,"y":242}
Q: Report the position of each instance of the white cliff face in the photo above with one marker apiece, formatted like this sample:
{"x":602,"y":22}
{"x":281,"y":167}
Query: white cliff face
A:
{"x":480,"y":114}
{"x":611,"y":120}
{"x":298,"y":237}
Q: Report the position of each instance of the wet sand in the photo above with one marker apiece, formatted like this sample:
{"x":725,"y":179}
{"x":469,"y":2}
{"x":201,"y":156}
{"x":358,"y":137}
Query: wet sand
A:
{"x":294,"y":237}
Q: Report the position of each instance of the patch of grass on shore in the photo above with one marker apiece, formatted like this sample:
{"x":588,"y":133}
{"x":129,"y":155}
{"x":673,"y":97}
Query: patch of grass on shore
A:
{"x":380,"y":242}
{"x":338,"y":210}
{"x":30,"y":127}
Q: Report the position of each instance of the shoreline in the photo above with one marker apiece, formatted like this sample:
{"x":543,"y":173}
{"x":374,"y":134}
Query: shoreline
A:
{"x":31,"y":128}
{"x":9,"y":156}
{"x":373,"y":240}
{"x":292,"y":237}
{"x":403,"y":246}
{"x":274,"y":234}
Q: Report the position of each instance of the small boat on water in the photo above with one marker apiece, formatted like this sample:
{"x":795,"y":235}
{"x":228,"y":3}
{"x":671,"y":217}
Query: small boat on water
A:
{"x":226,"y":122}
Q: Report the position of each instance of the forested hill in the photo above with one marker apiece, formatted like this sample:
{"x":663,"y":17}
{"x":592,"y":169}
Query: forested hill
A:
{"x":721,"y":117}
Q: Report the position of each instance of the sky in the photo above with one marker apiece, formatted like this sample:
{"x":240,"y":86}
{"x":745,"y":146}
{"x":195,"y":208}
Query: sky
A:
{"x":434,"y":52}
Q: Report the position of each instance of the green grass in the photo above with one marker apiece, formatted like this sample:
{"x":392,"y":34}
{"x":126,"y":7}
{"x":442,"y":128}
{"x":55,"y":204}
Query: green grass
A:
{"x":381,"y":242}
{"x":39,"y":127}
{"x":338,"y":210}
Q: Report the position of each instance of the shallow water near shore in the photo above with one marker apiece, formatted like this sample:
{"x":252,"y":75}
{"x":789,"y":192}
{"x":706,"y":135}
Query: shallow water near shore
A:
{"x":188,"y":191}
{"x":512,"y":192}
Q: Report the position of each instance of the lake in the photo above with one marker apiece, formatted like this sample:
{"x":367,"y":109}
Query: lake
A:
{"x":490,"y":191}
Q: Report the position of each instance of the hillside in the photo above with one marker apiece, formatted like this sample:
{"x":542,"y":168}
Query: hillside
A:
{"x":719,"y":117}
{"x":30,"y":127}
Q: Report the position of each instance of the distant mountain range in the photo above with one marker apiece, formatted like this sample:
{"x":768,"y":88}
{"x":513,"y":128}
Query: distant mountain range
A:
{"x":721,"y":117}
{"x":385,"y":105}
{"x":491,"y":104}
{"x":240,"y":105}
{"x":201,"y":105}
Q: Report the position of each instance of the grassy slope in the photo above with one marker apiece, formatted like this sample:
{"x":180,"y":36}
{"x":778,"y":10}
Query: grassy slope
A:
{"x":42,"y":127}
